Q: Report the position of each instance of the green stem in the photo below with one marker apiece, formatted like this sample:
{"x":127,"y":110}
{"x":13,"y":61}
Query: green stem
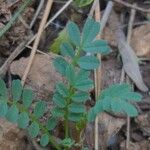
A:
{"x":66,"y":125}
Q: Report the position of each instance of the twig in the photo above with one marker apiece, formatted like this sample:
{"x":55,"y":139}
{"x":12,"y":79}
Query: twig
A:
{"x":134,"y":24}
{"x":37,"y":40}
{"x":24,"y":22}
{"x":13,"y":55}
{"x":95,"y":3}
{"x":106,"y":15}
{"x":130,"y":26}
{"x":14,"y":18}
{"x":131,"y":21}
{"x":132,"y":6}
{"x":37,"y":13}
{"x":97,"y":76}
{"x":53,"y":18}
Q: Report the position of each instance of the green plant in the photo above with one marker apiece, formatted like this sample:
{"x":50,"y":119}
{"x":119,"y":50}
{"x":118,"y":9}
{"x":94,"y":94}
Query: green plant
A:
{"x":69,"y":97}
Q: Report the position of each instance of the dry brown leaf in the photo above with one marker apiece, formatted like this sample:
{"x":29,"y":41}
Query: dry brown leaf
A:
{"x":140,"y":41}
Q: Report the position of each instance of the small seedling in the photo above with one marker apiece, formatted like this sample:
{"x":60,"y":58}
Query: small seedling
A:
{"x":70,"y":96}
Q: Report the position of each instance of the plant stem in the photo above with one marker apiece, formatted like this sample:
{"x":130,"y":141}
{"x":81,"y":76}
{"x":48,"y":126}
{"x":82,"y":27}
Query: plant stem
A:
{"x":66,"y":124}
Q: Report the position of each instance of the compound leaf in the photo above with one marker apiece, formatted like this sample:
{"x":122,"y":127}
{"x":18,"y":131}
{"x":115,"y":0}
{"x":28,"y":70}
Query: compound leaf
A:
{"x":88,"y":62}
{"x":12,"y":114}
{"x":67,"y":50}
{"x":16,"y":90}
{"x":44,"y":140}
{"x":39,"y":109}
{"x":34,"y":129}
{"x":60,"y":65}
{"x":27,"y":97}
{"x":23,"y":120}
{"x":74,"y":33}
{"x":90,"y":30}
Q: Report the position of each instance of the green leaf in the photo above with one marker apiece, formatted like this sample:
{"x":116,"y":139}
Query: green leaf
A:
{"x":98,"y":46}
{"x":116,"y":90}
{"x":116,"y":107}
{"x":16,"y":90}
{"x":51,"y":123}
{"x":3,"y":90}
{"x":59,"y":100}
{"x":62,"y":37}
{"x":67,"y":142}
{"x":70,"y":74}
{"x":129,"y":109}
{"x":76,"y":108}
{"x":91,"y":115}
{"x":67,"y":50}
{"x":27,"y":97}
{"x":82,"y":74}
{"x":88,"y":62}
{"x":134,"y":96}
{"x":39,"y":109}
{"x":23,"y":120}
{"x":12,"y":114}
{"x":80,"y":97}
{"x":74,"y":33}
{"x":3,"y":108}
{"x":105,"y":103}
{"x":57,"y":112}
{"x":82,"y":3}
{"x":84,"y":85}
{"x":61,"y":88}
{"x":60,"y":65}
{"x":90,"y":31}
{"x":44,"y":140}
{"x":75,"y":117}
{"x":34,"y":129}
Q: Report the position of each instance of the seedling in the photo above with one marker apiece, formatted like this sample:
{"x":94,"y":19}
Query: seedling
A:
{"x":70,"y":96}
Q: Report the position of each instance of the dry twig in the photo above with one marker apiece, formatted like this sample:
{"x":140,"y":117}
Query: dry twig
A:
{"x":130,"y":26}
{"x":37,"y":13}
{"x":53,"y":18}
{"x":132,"y":6}
{"x":97,"y":77}
{"x":37,"y":40}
